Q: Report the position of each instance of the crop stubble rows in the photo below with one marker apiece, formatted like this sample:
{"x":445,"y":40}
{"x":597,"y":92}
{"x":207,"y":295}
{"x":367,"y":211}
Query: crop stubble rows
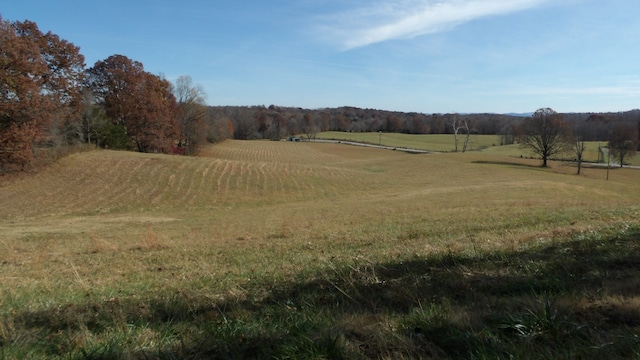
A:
{"x":317,"y":198}
{"x":100,"y":186}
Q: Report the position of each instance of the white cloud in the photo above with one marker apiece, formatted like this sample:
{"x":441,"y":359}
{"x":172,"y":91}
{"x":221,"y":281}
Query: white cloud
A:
{"x":394,"y":19}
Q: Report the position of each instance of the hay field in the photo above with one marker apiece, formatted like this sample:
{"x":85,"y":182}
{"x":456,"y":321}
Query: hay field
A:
{"x":122,"y":231}
{"x":284,"y":184}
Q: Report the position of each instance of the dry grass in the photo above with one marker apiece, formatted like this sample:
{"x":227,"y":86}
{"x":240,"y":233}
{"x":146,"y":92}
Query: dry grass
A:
{"x":118,"y":231}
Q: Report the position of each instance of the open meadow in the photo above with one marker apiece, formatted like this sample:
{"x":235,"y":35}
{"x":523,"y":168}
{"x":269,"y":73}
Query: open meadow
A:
{"x":263,"y":249}
{"x":488,"y":144}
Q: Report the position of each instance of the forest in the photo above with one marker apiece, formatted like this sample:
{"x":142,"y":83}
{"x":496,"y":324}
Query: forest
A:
{"x":52,"y":103}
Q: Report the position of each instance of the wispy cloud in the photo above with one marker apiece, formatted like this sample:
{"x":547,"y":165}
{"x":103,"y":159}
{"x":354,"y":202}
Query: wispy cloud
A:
{"x":394,"y":19}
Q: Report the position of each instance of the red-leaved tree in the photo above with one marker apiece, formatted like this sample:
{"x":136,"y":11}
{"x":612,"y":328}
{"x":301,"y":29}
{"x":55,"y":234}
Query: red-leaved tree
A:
{"x":40,"y":81}
{"x":139,"y":102}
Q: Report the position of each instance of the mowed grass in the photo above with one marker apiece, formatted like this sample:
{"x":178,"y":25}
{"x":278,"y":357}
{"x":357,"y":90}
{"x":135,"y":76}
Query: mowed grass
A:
{"x":308,"y":250}
{"x":489,"y":144}
{"x":430,"y":142}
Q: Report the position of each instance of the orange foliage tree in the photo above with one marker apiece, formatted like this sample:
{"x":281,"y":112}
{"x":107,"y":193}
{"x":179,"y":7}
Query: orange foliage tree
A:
{"x":137,"y":101}
{"x":40,"y":81}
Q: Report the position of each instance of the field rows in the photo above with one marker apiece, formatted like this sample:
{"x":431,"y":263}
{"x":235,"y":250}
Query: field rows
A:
{"x":240,"y":189}
{"x":106,"y":181}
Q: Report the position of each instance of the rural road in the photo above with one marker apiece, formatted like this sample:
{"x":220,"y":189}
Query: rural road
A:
{"x":407,"y":150}
{"x":613,"y":164}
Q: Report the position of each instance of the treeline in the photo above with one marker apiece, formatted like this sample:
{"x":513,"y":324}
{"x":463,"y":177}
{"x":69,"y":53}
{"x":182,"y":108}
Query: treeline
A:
{"x":49,"y":102}
{"x":274,"y":122}
{"x":260,"y":122}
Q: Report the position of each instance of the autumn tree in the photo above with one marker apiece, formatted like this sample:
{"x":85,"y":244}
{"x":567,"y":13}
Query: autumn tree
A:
{"x":62,"y":83}
{"x":392,"y":124}
{"x":40,"y":76}
{"x":623,"y":141}
{"x":192,"y":113}
{"x":546,"y":134}
{"x":339,"y":123}
{"x":418,"y":125}
{"x":293,"y":124}
{"x":261,"y":117}
{"x":278,"y":122}
{"x":154,"y":127}
{"x":244,"y":124}
{"x":140,"y":103}
{"x":437,"y":124}
{"x":308,"y":126}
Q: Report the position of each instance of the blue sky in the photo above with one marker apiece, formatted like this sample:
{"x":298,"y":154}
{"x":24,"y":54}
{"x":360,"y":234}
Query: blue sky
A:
{"x":430,"y":56}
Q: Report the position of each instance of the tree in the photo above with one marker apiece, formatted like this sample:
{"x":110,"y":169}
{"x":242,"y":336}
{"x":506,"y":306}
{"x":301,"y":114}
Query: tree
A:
{"x":418,"y":125}
{"x":456,"y":125}
{"x":93,"y":118}
{"x":62,"y":82}
{"x":278,"y":121}
{"x":293,"y":124}
{"x":40,"y":77}
{"x":507,"y":134}
{"x":141,"y":103}
{"x":546,"y":134}
{"x":261,"y":117}
{"x":623,"y":141}
{"x":392,"y":124}
{"x":579,"y":144}
{"x":154,"y":127}
{"x":468,"y":127}
{"x":308,"y":126}
{"x":192,"y":112}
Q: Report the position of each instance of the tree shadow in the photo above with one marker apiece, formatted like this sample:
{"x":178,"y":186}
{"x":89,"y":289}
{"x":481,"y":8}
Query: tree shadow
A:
{"x":449,"y":305}
{"x":507,"y":163}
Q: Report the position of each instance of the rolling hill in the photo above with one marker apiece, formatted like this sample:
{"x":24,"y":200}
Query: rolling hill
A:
{"x":294,"y":243}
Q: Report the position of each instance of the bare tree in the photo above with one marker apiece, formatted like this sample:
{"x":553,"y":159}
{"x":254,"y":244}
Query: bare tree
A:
{"x":546,"y":134}
{"x":623,"y":141}
{"x":309,"y":127}
{"x":456,"y":126}
{"x":507,"y":134}
{"x":467,"y":126}
{"x":192,"y":112}
{"x":579,"y":145}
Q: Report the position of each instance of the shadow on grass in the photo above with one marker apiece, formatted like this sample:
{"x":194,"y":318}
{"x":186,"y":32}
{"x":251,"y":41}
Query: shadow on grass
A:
{"x":572,"y":299}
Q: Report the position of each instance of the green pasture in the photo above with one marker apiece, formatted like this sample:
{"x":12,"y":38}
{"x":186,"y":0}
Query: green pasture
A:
{"x":489,"y":144}
{"x":438,"y":142}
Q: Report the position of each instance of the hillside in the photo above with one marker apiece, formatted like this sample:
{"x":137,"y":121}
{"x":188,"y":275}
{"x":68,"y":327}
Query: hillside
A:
{"x":240,"y":175}
{"x":147,"y":255}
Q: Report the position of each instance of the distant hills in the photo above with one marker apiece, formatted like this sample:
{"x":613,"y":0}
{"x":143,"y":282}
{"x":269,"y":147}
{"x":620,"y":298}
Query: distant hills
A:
{"x":527,"y":114}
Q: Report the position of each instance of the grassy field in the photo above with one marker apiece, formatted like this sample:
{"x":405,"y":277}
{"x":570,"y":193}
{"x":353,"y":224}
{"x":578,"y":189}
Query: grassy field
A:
{"x":263,"y":249}
{"x":431,"y":142}
{"x":489,"y":144}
